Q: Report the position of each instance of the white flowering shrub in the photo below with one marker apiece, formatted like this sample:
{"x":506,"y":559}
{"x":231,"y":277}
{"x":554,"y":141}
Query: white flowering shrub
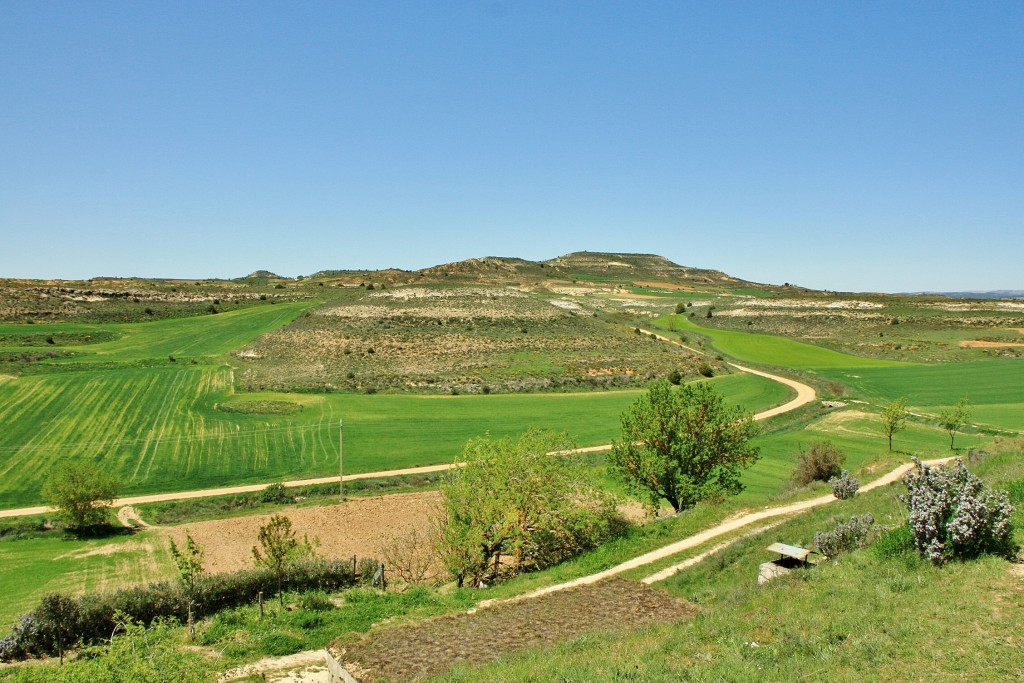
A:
{"x":844,"y":486}
{"x":847,"y":536}
{"x":954,"y":515}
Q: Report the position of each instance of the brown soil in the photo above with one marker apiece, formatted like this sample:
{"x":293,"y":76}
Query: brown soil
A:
{"x":416,"y":651}
{"x":357,"y":527}
{"x":975,"y":344}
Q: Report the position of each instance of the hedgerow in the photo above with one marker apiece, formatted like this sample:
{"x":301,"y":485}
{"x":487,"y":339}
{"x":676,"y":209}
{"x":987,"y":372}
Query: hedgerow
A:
{"x":94,"y":615}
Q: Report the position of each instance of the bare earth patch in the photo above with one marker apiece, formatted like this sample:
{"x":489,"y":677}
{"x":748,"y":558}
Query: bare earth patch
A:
{"x":415,"y":651}
{"x":357,"y":527}
{"x":975,"y":344}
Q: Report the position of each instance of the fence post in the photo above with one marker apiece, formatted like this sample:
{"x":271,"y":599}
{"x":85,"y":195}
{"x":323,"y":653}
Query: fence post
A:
{"x":354,"y":570}
{"x":259,"y":598}
{"x":191,"y":623}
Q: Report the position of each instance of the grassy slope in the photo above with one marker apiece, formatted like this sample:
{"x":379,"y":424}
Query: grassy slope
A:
{"x":770,"y":350}
{"x":859,"y":617}
{"x":994,"y":387}
{"x":32,"y":567}
{"x":188,"y":337}
{"x":158,"y":428}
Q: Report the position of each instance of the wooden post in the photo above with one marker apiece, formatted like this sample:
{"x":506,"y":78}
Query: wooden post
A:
{"x":354,"y":577}
{"x":191,"y":623}
{"x":259,"y":598}
{"x":383,"y":582}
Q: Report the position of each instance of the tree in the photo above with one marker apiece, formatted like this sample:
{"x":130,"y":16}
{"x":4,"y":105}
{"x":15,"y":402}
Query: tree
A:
{"x":515,"y":507}
{"x":81,"y":492}
{"x":188,"y":560}
{"x":955,"y":419}
{"x":280,"y":548}
{"x":894,"y":418}
{"x":683,"y":445}
{"x":59,"y":618}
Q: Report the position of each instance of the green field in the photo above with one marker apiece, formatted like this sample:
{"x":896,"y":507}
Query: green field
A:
{"x":160,"y":429}
{"x":31,"y":567}
{"x":771,"y":350}
{"x":181,"y":337}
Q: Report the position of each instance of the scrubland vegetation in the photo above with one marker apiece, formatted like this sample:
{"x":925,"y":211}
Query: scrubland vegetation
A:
{"x":176,"y":386}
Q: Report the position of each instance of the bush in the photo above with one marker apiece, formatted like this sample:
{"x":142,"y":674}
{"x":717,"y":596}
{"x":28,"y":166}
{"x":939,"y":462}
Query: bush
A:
{"x":675,"y":377}
{"x":820,"y":462}
{"x":954,"y":515}
{"x":276,"y":493}
{"x":846,"y":536}
{"x":705,"y":370}
{"x":315,"y":601}
{"x":366,"y":568}
{"x":844,"y":486}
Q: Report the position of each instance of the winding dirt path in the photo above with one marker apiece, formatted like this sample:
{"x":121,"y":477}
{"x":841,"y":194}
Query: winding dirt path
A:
{"x":709,"y":534}
{"x":805,"y":395}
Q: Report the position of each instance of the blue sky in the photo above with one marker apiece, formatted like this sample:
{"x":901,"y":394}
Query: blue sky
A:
{"x":849,"y":146}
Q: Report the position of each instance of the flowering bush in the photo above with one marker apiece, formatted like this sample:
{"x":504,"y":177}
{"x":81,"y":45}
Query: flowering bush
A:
{"x":954,"y":515}
{"x":844,"y":486}
{"x":845,"y":537}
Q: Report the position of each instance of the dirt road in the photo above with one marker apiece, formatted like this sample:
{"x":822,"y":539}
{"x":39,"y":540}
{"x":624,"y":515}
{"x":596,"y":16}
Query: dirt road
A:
{"x":805,"y":395}
{"x":714,"y":532}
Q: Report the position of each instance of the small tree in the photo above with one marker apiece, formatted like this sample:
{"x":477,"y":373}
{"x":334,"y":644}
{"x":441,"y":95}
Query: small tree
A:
{"x":81,"y":492}
{"x":279,"y":548}
{"x":513,"y":508}
{"x":188,"y":560}
{"x":894,"y":418}
{"x":59,"y":619}
{"x":683,"y":445}
{"x":955,"y":419}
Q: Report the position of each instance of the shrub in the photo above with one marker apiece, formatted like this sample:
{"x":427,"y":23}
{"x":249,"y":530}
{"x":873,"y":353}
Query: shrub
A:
{"x":366,"y":568}
{"x":844,"y":486}
{"x":954,"y":515}
{"x":315,"y":601}
{"x":705,"y":370}
{"x":276,"y":493}
{"x":846,"y":536}
{"x":820,"y":462}
{"x":96,"y":614}
{"x":675,"y":377}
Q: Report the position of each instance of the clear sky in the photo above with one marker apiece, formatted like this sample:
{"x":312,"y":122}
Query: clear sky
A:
{"x":839,"y":145}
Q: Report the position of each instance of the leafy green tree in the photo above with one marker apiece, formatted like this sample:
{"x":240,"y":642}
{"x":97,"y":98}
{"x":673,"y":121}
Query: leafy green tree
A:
{"x":683,"y":445}
{"x":81,"y":492}
{"x":188,"y":560}
{"x":515,"y":507}
{"x":279,"y":548}
{"x":894,"y":418}
{"x":955,"y":419}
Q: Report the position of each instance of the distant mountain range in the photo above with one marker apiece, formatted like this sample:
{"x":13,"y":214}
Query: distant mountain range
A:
{"x":993,"y":294}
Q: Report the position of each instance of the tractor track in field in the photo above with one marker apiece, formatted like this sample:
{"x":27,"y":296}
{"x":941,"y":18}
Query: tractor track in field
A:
{"x":805,"y":394}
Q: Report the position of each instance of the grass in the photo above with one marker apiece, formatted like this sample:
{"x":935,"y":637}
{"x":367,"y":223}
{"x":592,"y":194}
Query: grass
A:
{"x":31,"y":567}
{"x":160,"y":429}
{"x":772,"y":350}
{"x":191,"y":337}
{"x":858,"y":617}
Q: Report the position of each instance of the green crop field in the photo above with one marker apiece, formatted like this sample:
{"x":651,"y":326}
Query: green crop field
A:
{"x":771,"y":350}
{"x":32,"y":567}
{"x":160,"y":428}
{"x":185,"y":337}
